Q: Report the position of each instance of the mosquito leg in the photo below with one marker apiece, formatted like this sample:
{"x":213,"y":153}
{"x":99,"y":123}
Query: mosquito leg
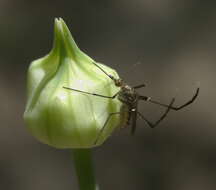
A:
{"x":152,"y":125}
{"x":139,"y":86}
{"x":104,"y":126}
{"x":111,"y":97}
{"x":145,"y":98}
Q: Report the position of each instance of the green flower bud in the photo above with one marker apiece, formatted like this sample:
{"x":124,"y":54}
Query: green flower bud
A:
{"x":64,"y":118}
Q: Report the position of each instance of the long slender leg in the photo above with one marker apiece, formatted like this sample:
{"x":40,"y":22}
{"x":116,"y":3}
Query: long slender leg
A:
{"x":145,"y":98}
{"x":104,"y":126}
{"x":112,"y":97}
{"x":152,"y":125}
{"x":139,"y":86}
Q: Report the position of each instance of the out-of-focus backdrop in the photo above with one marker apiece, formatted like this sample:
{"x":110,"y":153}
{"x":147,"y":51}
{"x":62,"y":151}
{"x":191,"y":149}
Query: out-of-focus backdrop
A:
{"x":173,"y":41}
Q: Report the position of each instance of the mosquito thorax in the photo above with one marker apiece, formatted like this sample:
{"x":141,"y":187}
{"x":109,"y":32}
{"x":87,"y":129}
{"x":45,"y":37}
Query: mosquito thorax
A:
{"x":127,"y":95}
{"x":127,"y":88}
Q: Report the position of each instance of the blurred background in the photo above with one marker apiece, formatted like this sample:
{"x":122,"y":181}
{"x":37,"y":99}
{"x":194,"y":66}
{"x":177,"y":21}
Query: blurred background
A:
{"x":174,"y":43}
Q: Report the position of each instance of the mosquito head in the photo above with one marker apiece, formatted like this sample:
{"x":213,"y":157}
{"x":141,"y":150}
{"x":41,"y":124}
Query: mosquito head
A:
{"x":118,"y":82}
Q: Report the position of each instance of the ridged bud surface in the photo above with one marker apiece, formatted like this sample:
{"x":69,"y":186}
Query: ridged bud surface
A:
{"x":63,"y":118}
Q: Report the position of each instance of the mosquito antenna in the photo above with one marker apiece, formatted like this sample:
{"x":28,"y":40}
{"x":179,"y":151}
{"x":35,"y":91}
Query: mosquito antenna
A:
{"x":132,"y":68}
{"x":110,"y":76}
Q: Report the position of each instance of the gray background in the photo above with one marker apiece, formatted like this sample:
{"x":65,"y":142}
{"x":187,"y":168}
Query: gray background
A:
{"x":174,"y":42}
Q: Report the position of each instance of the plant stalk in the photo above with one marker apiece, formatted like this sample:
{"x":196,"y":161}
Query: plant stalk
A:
{"x":84,"y":169}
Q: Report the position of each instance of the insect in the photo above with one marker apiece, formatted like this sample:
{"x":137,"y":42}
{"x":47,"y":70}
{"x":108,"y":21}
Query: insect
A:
{"x":130,"y":98}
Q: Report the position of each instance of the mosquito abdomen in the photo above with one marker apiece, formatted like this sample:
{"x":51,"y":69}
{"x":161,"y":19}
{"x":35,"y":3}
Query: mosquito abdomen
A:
{"x":124,"y":116}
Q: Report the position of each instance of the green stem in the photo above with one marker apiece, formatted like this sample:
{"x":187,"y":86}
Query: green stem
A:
{"x":84,"y":169}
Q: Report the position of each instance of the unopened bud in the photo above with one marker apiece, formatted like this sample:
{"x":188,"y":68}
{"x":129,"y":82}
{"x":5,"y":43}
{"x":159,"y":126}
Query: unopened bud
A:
{"x":66,"y":118}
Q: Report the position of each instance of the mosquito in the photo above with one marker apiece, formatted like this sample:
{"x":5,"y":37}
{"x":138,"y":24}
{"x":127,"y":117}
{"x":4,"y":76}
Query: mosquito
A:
{"x":130,"y":98}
